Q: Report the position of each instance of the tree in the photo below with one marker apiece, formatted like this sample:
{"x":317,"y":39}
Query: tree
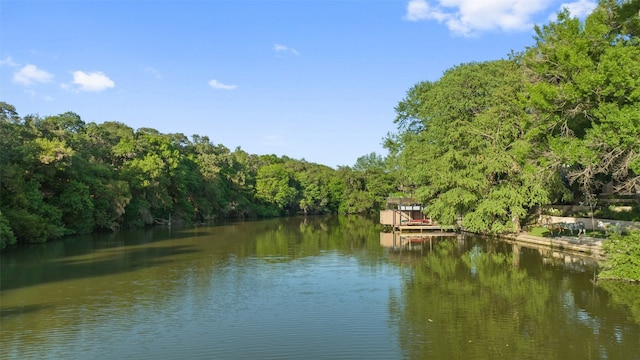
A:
{"x":31,"y":166}
{"x":275,"y":185}
{"x":470,"y":147}
{"x":586,"y":92}
{"x":314,"y":196}
{"x":7,"y":237}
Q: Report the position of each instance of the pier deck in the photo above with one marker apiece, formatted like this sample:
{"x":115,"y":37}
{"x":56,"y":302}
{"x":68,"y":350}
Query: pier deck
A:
{"x":421,"y":228}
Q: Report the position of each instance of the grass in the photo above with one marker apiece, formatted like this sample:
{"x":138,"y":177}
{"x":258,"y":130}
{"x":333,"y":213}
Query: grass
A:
{"x":539,"y":231}
{"x":596,"y":234}
{"x":544,"y":232}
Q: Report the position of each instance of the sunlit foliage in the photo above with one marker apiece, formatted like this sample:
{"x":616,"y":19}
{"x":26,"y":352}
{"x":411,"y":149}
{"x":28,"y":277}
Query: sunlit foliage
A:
{"x":488,"y":143}
{"x":61,"y":176}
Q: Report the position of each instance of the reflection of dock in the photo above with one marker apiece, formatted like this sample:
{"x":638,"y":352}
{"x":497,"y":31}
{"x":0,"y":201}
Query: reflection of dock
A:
{"x":396,"y":240}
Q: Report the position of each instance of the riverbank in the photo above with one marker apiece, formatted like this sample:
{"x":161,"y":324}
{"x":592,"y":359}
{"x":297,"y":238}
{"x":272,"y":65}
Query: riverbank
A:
{"x":580,"y":245}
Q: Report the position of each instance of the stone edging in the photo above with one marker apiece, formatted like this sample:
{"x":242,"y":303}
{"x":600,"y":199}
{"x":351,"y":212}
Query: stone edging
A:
{"x":583,"y":246}
{"x":589,"y":224}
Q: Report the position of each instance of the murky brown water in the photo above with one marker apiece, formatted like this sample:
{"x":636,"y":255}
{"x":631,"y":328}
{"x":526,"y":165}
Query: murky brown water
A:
{"x":316,"y":288}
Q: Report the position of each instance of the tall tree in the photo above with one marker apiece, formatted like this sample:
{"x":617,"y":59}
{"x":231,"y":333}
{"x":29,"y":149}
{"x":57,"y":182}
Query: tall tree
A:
{"x":275,"y":185}
{"x":470,"y":147}
{"x":586,"y":90}
{"x":314,"y":196}
{"x":31,"y":168}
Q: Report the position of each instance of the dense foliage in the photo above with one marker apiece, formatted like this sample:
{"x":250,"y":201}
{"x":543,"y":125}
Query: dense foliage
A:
{"x":63,"y":176}
{"x":486,"y":144}
{"x":586,"y":90}
{"x":471,"y":148}
{"x":623,"y":257}
{"x":490,"y":142}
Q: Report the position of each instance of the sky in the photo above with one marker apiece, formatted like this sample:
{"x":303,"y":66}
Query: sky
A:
{"x":309,"y":79}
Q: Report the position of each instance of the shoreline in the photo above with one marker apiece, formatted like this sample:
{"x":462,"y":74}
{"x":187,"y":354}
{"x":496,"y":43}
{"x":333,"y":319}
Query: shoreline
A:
{"x":582,"y":246}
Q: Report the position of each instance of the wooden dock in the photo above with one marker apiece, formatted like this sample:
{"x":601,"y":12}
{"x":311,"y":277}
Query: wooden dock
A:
{"x":411,"y":220}
{"x":426,"y":228}
{"x":407,"y":225}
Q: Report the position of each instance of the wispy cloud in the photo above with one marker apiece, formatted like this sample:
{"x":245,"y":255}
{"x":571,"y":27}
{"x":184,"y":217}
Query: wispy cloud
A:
{"x":153,"y":72}
{"x":30,"y":74}
{"x":470,"y":17}
{"x":283,"y":49}
{"x":35,"y":95}
{"x":9,"y":62}
{"x":218,"y":85}
{"x":93,"y":81}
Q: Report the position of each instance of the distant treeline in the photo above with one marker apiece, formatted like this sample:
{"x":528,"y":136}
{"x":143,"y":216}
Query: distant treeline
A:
{"x":61,"y":176}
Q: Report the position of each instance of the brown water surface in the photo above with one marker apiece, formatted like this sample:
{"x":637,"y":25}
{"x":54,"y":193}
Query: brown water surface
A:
{"x":314,"y":288}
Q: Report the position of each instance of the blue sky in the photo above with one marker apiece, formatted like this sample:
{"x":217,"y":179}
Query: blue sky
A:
{"x":310,"y":79}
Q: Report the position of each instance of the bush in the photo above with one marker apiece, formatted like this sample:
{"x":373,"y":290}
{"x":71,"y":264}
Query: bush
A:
{"x":552,"y":211}
{"x":622,"y":260}
{"x":7,"y":236}
{"x":613,"y":212}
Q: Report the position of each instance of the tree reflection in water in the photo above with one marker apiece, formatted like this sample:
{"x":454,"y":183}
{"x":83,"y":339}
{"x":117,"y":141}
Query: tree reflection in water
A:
{"x":477,"y":299}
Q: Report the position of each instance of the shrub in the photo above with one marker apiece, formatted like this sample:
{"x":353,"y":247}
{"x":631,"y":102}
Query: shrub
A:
{"x":614,"y":212}
{"x":622,"y":260}
{"x":6,"y":234}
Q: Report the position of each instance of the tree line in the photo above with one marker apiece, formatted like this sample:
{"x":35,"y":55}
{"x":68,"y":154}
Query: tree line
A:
{"x":62,"y":176}
{"x":488,"y":142}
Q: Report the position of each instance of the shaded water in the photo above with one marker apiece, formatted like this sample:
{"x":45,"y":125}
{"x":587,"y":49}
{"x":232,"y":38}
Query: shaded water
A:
{"x":315,"y":288}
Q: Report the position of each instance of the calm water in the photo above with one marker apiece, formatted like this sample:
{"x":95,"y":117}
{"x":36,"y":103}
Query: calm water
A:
{"x":320,"y":288}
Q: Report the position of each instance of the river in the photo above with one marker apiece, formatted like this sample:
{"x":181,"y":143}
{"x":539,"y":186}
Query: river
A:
{"x":306,"y":288}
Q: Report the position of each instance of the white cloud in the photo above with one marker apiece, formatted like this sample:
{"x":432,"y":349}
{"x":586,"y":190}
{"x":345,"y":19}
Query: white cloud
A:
{"x":9,"y":62}
{"x":421,"y":10}
{"x":469,"y":17}
{"x":279,"y":48}
{"x":580,"y":8}
{"x":94,"y":81}
{"x":30,"y":74}
{"x":218,"y":85}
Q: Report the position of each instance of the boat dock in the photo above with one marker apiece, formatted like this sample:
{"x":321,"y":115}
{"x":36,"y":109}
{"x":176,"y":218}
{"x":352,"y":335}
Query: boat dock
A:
{"x":425,"y":228}
{"x":407,"y":225}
